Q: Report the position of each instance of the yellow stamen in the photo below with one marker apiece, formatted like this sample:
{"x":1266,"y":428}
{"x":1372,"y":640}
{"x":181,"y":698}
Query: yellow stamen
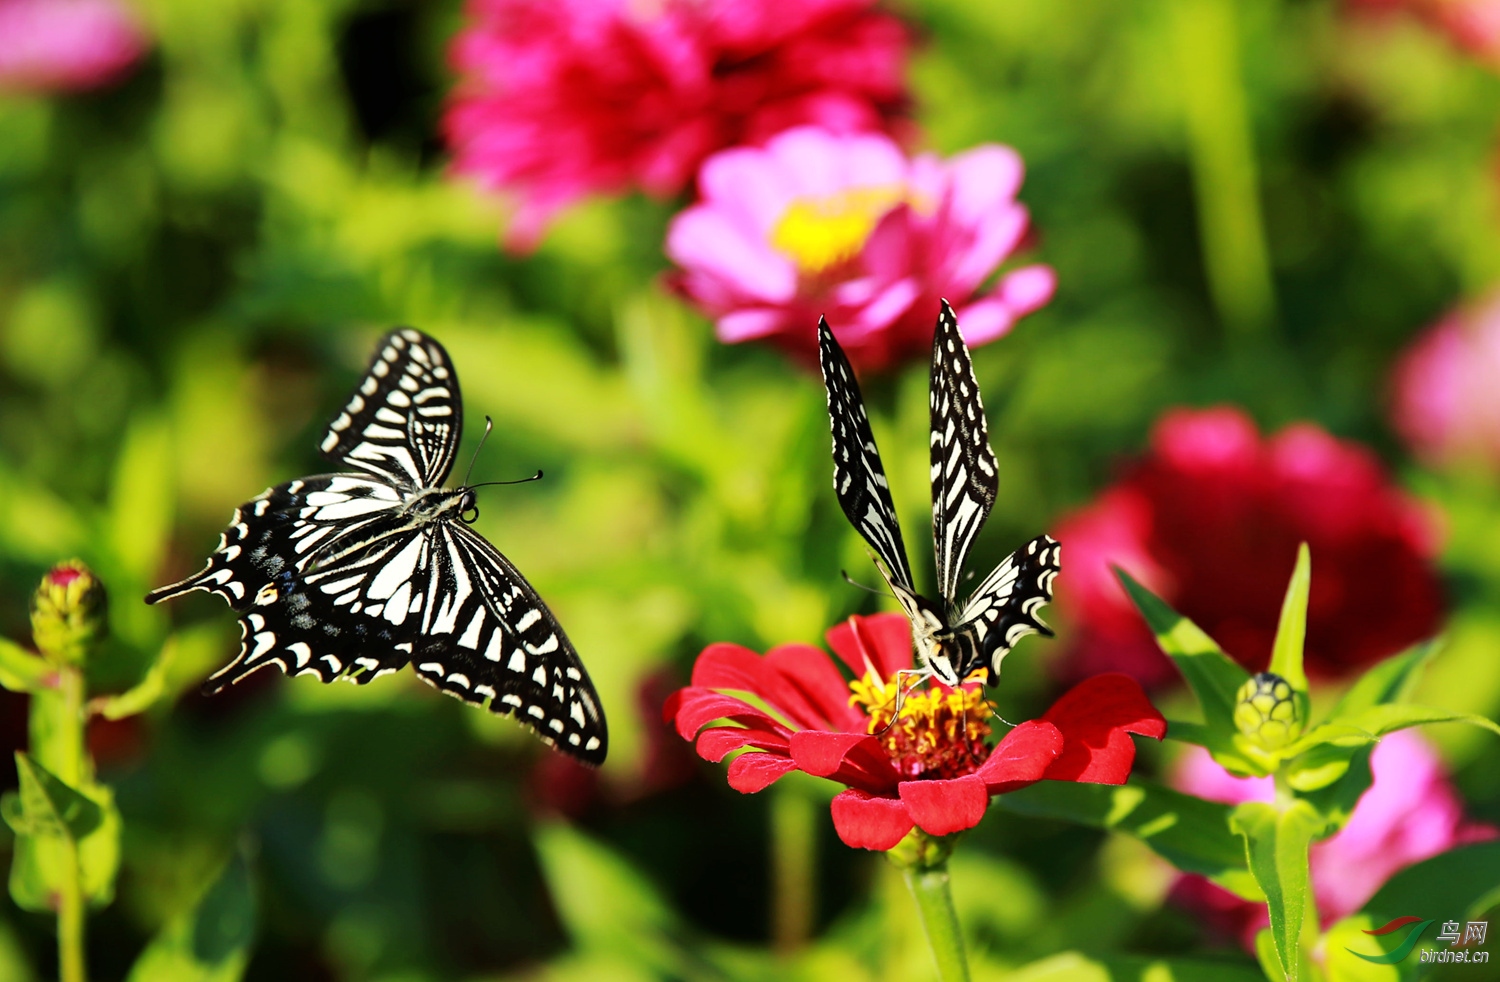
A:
{"x":817,"y":233}
{"x":936,"y":734}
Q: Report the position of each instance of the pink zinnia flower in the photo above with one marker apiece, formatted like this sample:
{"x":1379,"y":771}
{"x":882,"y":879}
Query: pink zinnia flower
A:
{"x":563,"y":98}
{"x":1410,"y":813}
{"x":1444,"y":386}
{"x":1210,"y":519}
{"x":63,"y":45}
{"x":817,"y":223}
{"x":931,"y":768}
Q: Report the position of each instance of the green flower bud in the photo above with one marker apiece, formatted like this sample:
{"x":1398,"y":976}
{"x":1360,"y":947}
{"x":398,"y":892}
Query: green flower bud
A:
{"x":1267,"y":711}
{"x":67,"y":612}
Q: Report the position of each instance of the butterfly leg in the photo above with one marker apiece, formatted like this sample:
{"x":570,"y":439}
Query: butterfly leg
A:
{"x":920,"y":675}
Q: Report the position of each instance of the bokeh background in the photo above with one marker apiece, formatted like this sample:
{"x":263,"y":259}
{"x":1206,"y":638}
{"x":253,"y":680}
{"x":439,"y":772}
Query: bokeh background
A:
{"x":1258,"y":203}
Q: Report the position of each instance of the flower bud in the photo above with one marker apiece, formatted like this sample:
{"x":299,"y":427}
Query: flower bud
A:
{"x":1267,"y":711}
{"x":67,"y":612}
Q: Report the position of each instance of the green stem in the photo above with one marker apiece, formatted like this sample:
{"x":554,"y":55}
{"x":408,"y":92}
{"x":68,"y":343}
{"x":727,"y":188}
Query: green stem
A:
{"x":793,"y":860}
{"x":71,"y":765}
{"x":929,"y":887}
{"x":70,"y":919}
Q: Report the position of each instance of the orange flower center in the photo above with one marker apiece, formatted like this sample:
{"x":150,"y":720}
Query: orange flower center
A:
{"x":937,"y":734}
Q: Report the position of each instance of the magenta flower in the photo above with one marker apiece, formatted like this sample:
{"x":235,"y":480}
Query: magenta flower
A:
{"x":1444,"y":387}
{"x":559,"y":99}
{"x":817,"y":223}
{"x":66,"y":45}
{"x":1410,"y":813}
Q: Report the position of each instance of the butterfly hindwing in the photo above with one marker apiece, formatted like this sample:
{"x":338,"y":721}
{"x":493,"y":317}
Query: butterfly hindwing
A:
{"x":493,"y":642}
{"x":859,"y":479}
{"x":964,"y":479}
{"x":405,"y":418}
{"x":1004,"y":608}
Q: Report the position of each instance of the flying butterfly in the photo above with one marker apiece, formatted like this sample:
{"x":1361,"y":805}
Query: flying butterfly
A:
{"x":353,"y":575}
{"x":952,"y":639}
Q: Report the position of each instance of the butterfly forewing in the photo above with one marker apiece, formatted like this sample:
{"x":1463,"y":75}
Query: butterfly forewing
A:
{"x":491,"y":641}
{"x":405,"y":418}
{"x":859,"y":480}
{"x":964,"y":479}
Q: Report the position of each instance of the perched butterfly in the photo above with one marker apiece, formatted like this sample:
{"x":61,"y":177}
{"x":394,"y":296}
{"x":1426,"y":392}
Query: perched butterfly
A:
{"x":955,"y":639}
{"x":353,"y":575}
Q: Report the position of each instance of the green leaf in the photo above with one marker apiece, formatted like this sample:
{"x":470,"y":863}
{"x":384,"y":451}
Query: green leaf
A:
{"x":49,"y":807}
{"x":1335,"y":800}
{"x":1390,"y":717}
{"x":1213,"y":676}
{"x":1291,"y":631}
{"x":209,"y":943}
{"x":1276,"y":844}
{"x":144,"y":693}
{"x":20,"y":670}
{"x":1190,"y":833}
{"x":1072,"y":966}
{"x":1448,"y":886}
{"x":1389,"y":681}
{"x":1341,"y":964}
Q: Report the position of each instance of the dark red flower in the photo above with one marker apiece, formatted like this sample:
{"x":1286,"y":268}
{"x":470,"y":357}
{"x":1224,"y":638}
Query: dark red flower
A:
{"x":563,"y":98}
{"x":1210,"y":519}
{"x":930,"y":769}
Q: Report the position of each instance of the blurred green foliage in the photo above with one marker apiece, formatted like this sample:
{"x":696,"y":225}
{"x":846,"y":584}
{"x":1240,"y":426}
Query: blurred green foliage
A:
{"x":193,"y":266}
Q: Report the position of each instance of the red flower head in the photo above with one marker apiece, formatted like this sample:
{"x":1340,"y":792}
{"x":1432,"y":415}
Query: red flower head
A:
{"x":1210,"y":520}
{"x":932,"y":768}
{"x":562,"y":98}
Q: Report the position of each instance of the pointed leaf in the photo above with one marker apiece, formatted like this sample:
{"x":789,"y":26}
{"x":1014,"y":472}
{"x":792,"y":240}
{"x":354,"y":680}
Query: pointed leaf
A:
{"x":1334,"y":798}
{"x":144,"y":693}
{"x":1291,"y":631}
{"x":1459,"y":883}
{"x":209,"y":943}
{"x":52,"y":808}
{"x":20,"y":670}
{"x":1392,"y":680}
{"x":1213,"y":676}
{"x":1390,"y":717}
{"x":1276,"y":849}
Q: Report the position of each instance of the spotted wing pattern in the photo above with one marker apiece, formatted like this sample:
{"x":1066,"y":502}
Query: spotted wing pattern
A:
{"x":858,"y":477}
{"x":404,"y":421}
{"x":964,"y":481}
{"x":489,"y":640}
{"x":1004,"y":608}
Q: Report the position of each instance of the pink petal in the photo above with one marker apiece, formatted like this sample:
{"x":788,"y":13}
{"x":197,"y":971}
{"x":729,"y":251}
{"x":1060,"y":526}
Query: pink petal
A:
{"x":985,"y":320}
{"x":707,"y":240}
{"x":747,"y":325}
{"x":982,"y":180}
{"x":744,"y":183}
{"x":865,"y":821}
{"x":1028,"y":288}
{"x":987,"y":246}
{"x":1096,"y":718}
{"x":1021,"y":758}
{"x":944,"y":807}
{"x":752,"y":772}
{"x":890,"y":303}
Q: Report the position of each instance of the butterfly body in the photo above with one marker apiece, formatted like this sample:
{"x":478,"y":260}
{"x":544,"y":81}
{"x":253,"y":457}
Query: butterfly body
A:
{"x":952,"y":639}
{"x":354,"y":575}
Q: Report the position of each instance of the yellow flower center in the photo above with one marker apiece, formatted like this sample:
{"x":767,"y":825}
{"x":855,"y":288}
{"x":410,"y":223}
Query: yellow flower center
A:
{"x":936,"y":734}
{"x":818,"y":233}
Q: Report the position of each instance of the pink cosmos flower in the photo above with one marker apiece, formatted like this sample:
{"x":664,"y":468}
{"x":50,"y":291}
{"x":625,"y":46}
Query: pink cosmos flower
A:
{"x":66,"y":45}
{"x":1444,"y":403}
{"x":1410,"y":813}
{"x":818,"y":223}
{"x":930,"y":767}
{"x":562,"y":98}
{"x":1210,"y":519}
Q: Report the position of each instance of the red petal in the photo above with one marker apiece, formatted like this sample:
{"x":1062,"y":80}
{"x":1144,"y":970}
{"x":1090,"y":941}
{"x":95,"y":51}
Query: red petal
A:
{"x":868,"y":822}
{"x":749,"y":773}
{"x":885,"y":639}
{"x":818,"y":682}
{"x":1095,"y":718}
{"x":1022,"y":757}
{"x":718,"y":742}
{"x":670,"y":705}
{"x":822,"y":753}
{"x":944,"y":807}
{"x":699,"y":707}
{"x":727,"y":666}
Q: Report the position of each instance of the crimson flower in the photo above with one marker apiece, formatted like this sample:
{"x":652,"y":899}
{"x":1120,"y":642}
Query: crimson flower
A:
{"x":558,"y":99}
{"x":1210,"y":520}
{"x":931,"y":768}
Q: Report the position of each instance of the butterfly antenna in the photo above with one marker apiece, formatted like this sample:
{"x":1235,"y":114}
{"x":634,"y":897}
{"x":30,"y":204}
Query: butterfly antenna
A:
{"x":489,"y":424}
{"x":853,"y":582}
{"x":520,"y":480}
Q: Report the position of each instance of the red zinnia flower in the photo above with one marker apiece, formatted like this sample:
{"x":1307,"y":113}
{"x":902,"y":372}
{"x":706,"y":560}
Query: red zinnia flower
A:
{"x":562,"y":98}
{"x":930,"y":769}
{"x":1210,"y":520}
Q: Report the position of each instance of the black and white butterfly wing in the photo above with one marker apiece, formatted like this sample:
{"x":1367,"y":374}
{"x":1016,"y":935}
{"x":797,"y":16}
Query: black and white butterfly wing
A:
{"x":323,"y":572}
{"x":964,"y":480}
{"x":404,"y":421}
{"x":489,"y":640}
{"x":1004,"y":608}
{"x":858,"y":477}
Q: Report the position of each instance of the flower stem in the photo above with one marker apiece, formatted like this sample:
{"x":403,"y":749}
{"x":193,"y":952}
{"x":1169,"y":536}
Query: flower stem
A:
{"x":929,"y":887}
{"x":72,"y":768}
{"x":793,"y":859}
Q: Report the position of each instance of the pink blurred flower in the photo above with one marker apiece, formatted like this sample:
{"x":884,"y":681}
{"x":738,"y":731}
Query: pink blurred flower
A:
{"x":850,"y":227}
{"x":559,"y":99}
{"x":1410,"y":813}
{"x":1444,"y":403}
{"x":66,"y":45}
{"x":1210,"y":519}
{"x":1472,"y":25}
